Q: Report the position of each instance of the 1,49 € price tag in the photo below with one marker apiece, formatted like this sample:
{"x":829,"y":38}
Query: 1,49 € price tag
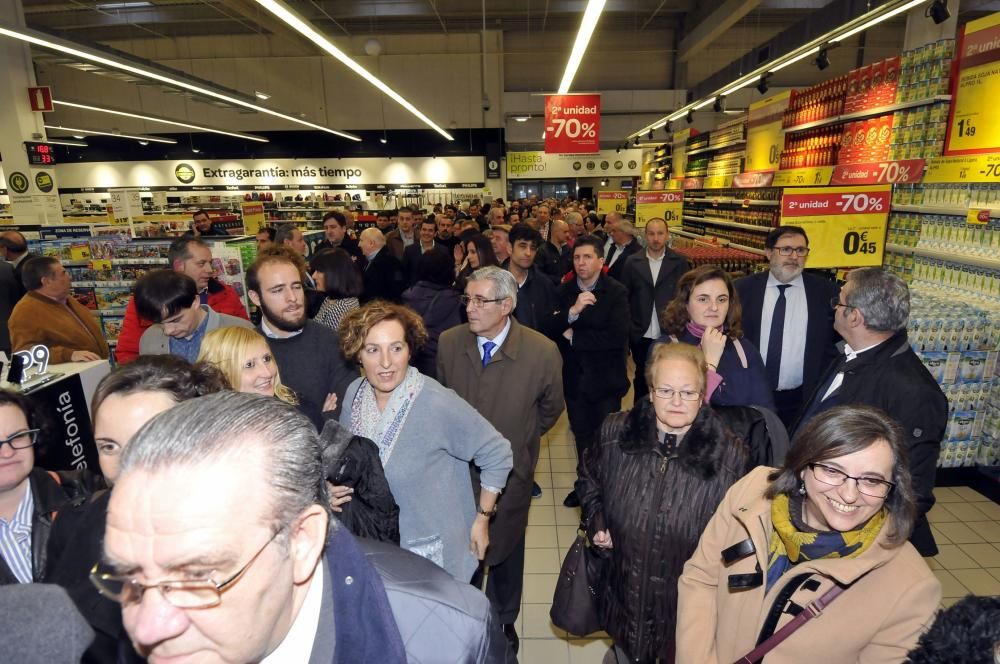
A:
{"x":846,"y":225}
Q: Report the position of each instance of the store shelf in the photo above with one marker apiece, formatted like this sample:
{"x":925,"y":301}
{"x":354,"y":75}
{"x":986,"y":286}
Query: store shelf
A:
{"x":730,"y":224}
{"x":752,"y":250}
{"x":702,"y":240}
{"x":733,"y":201}
{"x":869,"y":113}
{"x":957,"y":211}
{"x":950,"y":256}
{"x":713,"y":148}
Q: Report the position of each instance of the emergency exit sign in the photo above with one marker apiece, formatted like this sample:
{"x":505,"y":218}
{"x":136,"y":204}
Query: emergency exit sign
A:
{"x":41,"y":99}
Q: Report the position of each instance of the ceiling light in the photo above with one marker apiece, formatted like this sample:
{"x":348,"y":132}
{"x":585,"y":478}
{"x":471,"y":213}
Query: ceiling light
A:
{"x":383,"y":140}
{"x":153,"y":118}
{"x":263,"y":96}
{"x":95,"y":132}
{"x":659,"y":124}
{"x":690,"y":117}
{"x":762,"y":85}
{"x":708,"y":102}
{"x":650,"y":135}
{"x":618,"y":150}
{"x":143,"y":142}
{"x":878,"y":19}
{"x":66,"y":141}
{"x":822,"y":60}
{"x":306,"y":29}
{"x":521,"y":118}
{"x":123,"y":5}
{"x":938,"y":12}
{"x":669,"y":128}
{"x":78,"y":137}
{"x":195,"y":150}
{"x":717,"y":106}
{"x":792,"y":61}
{"x":587,"y":25}
{"x":144,"y":71}
{"x":636,"y":141}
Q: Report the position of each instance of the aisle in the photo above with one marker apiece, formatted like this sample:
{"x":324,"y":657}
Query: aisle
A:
{"x":965,"y":523}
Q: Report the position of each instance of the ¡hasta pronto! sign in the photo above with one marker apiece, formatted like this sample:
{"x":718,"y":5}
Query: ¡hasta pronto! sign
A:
{"x":540,"y":165}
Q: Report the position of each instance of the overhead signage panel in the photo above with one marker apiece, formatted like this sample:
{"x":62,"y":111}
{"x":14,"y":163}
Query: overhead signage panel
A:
{"x":572,"y":124}
{"x":607,"y":163}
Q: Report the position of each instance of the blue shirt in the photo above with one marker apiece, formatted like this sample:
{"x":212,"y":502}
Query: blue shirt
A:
{"x":15,"y":538}
{"x":188,"y":348}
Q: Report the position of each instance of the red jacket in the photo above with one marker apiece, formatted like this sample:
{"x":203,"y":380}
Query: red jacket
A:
{"x":221,"y":297}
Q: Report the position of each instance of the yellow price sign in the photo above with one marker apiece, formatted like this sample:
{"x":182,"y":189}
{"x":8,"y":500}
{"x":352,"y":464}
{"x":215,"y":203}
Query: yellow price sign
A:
{"x":675,"y":184}
{"x":977,"y":217}
{"x":667,"y":205}
{"x":972,"y":122}
{"x":846,"y":225}
{"x":765,"y":137}
{"x":253,"y":217}
{"x":813,"y":176}
{"x":612,"y":201}
{"x":718,"y":182}
{"x":970,"y":168}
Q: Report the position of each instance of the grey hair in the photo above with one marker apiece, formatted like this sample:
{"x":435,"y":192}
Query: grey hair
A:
{"x":375,"y":235}
{"x":504,"y":285}
{"x":574,"y":217}
{"x":881,"y":297}
{"x":284,"y":232}
{"x":627,"y":226}
{"x":224,"y":426}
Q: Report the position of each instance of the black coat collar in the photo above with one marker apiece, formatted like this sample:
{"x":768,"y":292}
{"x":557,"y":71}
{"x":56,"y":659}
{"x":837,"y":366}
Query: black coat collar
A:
{"x":700,"y":449}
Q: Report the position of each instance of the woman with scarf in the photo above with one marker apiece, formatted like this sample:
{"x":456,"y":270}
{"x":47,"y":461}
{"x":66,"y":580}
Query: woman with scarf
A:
{"x":706,"y":312}
{"x":837,"y":515}
{"x":647,"y":489}
{"x":426,"y":435}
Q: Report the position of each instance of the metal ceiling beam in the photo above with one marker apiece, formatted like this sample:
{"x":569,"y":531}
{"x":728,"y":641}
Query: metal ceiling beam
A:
{"x":712,"y":26}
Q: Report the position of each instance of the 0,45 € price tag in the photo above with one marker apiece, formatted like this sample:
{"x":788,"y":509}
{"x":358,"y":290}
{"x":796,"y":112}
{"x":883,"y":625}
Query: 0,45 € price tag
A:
{"x":846,"y":225}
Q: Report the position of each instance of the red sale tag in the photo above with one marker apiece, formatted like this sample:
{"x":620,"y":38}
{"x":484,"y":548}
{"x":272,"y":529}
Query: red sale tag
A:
{"x":844,"y":202}
{"x":882,"y":172}
{"x":572,"y":124}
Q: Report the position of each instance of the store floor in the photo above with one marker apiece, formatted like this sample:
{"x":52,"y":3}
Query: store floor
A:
{"x":966,"y":525}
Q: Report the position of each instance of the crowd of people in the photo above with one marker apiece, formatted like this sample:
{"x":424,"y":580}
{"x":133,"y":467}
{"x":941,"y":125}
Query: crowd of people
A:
{"x":348,"y":478}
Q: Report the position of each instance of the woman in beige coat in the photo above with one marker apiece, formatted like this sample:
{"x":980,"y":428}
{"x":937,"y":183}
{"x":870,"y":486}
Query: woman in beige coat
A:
{"x":838,"y":513}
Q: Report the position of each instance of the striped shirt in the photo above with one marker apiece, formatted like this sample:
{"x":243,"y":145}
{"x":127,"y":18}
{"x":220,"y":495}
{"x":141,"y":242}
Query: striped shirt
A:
{"x":15,"y":538}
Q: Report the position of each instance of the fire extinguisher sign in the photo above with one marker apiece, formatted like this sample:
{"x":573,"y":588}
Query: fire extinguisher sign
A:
{"x":41,"y":99}
{"x":572,"y":124}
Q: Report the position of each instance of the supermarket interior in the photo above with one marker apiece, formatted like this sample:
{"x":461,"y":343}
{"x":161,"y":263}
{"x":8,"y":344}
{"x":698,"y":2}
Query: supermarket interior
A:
{"x":866,"y":124}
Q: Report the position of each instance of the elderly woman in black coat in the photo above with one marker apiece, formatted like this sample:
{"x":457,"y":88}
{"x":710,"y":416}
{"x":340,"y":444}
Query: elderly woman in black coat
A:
{"x":647,"y":489}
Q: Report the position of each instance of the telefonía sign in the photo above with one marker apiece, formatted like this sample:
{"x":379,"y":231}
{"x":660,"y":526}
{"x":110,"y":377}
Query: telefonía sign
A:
{"x":572,"y":124}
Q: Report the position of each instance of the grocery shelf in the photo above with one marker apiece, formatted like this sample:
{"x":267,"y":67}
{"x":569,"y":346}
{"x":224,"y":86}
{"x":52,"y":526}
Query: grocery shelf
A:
{"x":733,"y":201}
{"x":954,"y":211}
{"x":701,"y":238}
{"x":713,"y":148}
{"x":950,"y":256}
{"x":869,"y":113}
{"x":731,"y":224}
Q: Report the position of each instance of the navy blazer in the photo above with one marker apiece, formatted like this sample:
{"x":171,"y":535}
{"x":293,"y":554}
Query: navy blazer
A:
{"x":821,"y":339}
{"x":615,"y":271}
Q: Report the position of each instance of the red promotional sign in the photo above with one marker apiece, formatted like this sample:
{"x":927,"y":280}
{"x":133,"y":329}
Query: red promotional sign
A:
{"x":882,"y":172}
{"x":812,"y":203}
{"x":572,"y":124}
{"x":753,"y":180}
{"x":41,"y":99}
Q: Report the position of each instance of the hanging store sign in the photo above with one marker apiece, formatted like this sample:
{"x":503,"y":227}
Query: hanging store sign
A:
{"x":606,"y":163}
{"x":974,"y":121}
{"x":253,"y":216}
{"x":905,"y":171}
{"x":765,"y":137}
{"x":572,"y":124}
{"x":667,"y":205}
{"x":612,"y":201}
{"x":846,"y":225}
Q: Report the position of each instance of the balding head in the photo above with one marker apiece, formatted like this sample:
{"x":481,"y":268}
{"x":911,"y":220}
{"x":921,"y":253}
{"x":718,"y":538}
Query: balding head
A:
{"x":13,"y":245}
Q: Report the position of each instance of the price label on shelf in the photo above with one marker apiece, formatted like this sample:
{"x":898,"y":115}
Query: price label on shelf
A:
{"x":815,"y":176}
{"x":667,"y":205}
{"x":881,"y":172}
{"x":719,"y":182}
{"x":846,"y":225}
{"x":612,"y":201}
{"x":972,"y":125}
{"x":971,"y":168}
{"x":765,"y":137}
{"x":753,"y":180}
{"x":977,"y":217}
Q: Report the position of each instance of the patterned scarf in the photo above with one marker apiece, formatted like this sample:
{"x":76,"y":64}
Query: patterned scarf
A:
{"x":790,"y":546}
{"x":383,"y":427}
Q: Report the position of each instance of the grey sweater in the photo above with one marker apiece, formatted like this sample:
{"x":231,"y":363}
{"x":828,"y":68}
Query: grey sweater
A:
{"x":428,"y":473}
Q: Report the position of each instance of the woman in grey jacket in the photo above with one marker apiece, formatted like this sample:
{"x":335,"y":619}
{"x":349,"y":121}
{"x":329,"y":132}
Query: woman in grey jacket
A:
{"x":426,"y":435}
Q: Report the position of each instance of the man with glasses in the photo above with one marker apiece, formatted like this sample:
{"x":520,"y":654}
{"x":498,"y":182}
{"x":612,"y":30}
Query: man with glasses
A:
{"x":220,"y":546}
{"x":878,"y":368}
{"x":786,"y":313}
{"x":511,"y":374}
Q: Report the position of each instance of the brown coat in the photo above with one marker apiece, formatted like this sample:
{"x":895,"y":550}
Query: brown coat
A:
{"x":520,"y":393}
{"x":394,"y":242}
{"x":877,"y":620}
{"x":37,"y":319}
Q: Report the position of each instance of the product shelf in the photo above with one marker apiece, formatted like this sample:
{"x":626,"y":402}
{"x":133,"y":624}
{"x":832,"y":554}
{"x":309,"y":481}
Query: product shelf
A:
{"x":731,"y":224}
{"x":734,"y":201}
{"x":868,"y":113}
{"x":954,"y":211}
{"x":701,"y":239}
{"x":713,"y":148}
{"x":951,"y":256}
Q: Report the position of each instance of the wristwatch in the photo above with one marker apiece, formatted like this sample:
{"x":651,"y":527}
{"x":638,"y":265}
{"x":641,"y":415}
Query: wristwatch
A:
{"x":491,"y":513}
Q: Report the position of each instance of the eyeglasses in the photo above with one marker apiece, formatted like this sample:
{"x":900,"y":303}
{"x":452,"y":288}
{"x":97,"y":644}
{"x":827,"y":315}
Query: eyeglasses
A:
{"x":477,"y":302}
{"x":668,"y":393}
{"x":788,"y":251}
{"x":183,"y":593}
{"x":835,"y":302}
{"x":869,"y":486}
{"x":20,"y":440}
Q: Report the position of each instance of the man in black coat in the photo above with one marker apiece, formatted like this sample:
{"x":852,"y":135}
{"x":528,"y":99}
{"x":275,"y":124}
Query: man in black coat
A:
{"x":880,"y":369}
{"x":426,"y":231}
{"x":14,"y":249}
{"x":651,"y":280}
{"x":594,"y":319}
{"x":537,"y":302}
{"x":623,"y":244}
{"x":335,"y":235}
{"x":555,"y":256}
{"x":802,"y":342}
{"x":382,"y":273}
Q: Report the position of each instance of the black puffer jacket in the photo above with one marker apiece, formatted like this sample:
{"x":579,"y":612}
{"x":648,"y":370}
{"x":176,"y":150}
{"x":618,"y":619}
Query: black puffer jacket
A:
{"x":654,"y":499}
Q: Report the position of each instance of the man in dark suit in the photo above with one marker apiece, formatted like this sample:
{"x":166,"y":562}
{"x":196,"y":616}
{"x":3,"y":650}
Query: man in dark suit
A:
{"x":651,"y":280}
{"x":555,"y":256}
{"x":623,"y":244}
{"x":10,"y":287}
{"x":382,"y":273}
{"x":878,"y":368}
{"x":800,"y":341}
{"x":14,"y":249}
{"x":425,"y":242}
{"x":594,"y":345}
{"x":335,"y":235}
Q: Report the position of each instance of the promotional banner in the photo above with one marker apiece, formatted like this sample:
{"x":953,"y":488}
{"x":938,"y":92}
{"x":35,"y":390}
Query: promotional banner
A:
{"x":973,"y":125}
{"x":71,"y":446}
{"x":607,"y":163}
{"x":253,"y":216}
{"x":846,"y":225}
{"x":612,"y":201}
{"x":765,"y":137}
{"x":667,"y":205}
{"x":972,"y":168}
{"x":572,"y":124}
{"x":883,"y":172}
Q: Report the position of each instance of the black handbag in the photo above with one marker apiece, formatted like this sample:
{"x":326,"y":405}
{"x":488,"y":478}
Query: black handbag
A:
{"x":576,"y":603}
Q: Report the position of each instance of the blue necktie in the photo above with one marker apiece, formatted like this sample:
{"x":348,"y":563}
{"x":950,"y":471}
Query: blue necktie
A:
{"x":773,"y":363}
{"x":488,"y":347}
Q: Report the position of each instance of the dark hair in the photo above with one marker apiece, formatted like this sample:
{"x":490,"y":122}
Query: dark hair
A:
{"x":675,"y":318}
{"x":436,"y":266}
{"x":781,"y":231}
{"x":590,"y":241}
{"x":9,"y":241}
{"x":484,"y":249}
{"x":160,"y":373}
{"x":967,"y":632}
{"x":336,"y":216}
{"x":383,"y":214}
{"x":180,"y":249}
{"x":35,"y":269}
{"x":38,"y":414}
{"x":198,"y":212}
{"x":160,"y":294}
{"x":284,"y":232}
{"x":429,"y":220}
{"x":845,"y":430}
{"x":523,"y":231}
{"x":267,"y":229}
{"x":341,"y":275}
{"x":275,"y":254}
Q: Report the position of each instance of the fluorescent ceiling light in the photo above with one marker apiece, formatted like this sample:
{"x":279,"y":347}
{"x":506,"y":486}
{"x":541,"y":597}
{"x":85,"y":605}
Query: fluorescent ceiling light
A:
{"x":878,"y":19}
{"x":659,"y":125}
{"x":66,"y":141}
{"x":521,"y":118}
{"x":123,"y":5}
{"x":590,"y":18}
{"x":792,"y":61}
{"x":705,"y":103}
{"x":306,"y":29}
{"x":153,"y":118}
{"x":95,"y":132}
{"x":263,"y":96}
{"x":113,"y":62}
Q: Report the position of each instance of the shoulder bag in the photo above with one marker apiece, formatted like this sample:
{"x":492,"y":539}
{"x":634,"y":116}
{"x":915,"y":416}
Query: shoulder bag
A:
{"x":576,"y":605}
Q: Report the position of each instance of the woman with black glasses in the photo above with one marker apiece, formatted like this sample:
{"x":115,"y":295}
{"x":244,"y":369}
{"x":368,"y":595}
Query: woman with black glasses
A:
{"x":824,"y":534}
{"x":647,"y":489}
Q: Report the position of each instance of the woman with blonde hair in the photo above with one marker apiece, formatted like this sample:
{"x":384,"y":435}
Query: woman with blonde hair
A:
{"x":243,"y":356}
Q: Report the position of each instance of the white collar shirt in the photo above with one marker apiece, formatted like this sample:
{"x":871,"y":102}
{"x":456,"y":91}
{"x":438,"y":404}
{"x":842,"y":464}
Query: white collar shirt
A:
{"x":297,"y":645}
{"x":793,"y":342}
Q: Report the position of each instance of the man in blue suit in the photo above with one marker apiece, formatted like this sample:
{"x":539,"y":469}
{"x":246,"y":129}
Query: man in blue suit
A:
{"x":787,"y":313}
